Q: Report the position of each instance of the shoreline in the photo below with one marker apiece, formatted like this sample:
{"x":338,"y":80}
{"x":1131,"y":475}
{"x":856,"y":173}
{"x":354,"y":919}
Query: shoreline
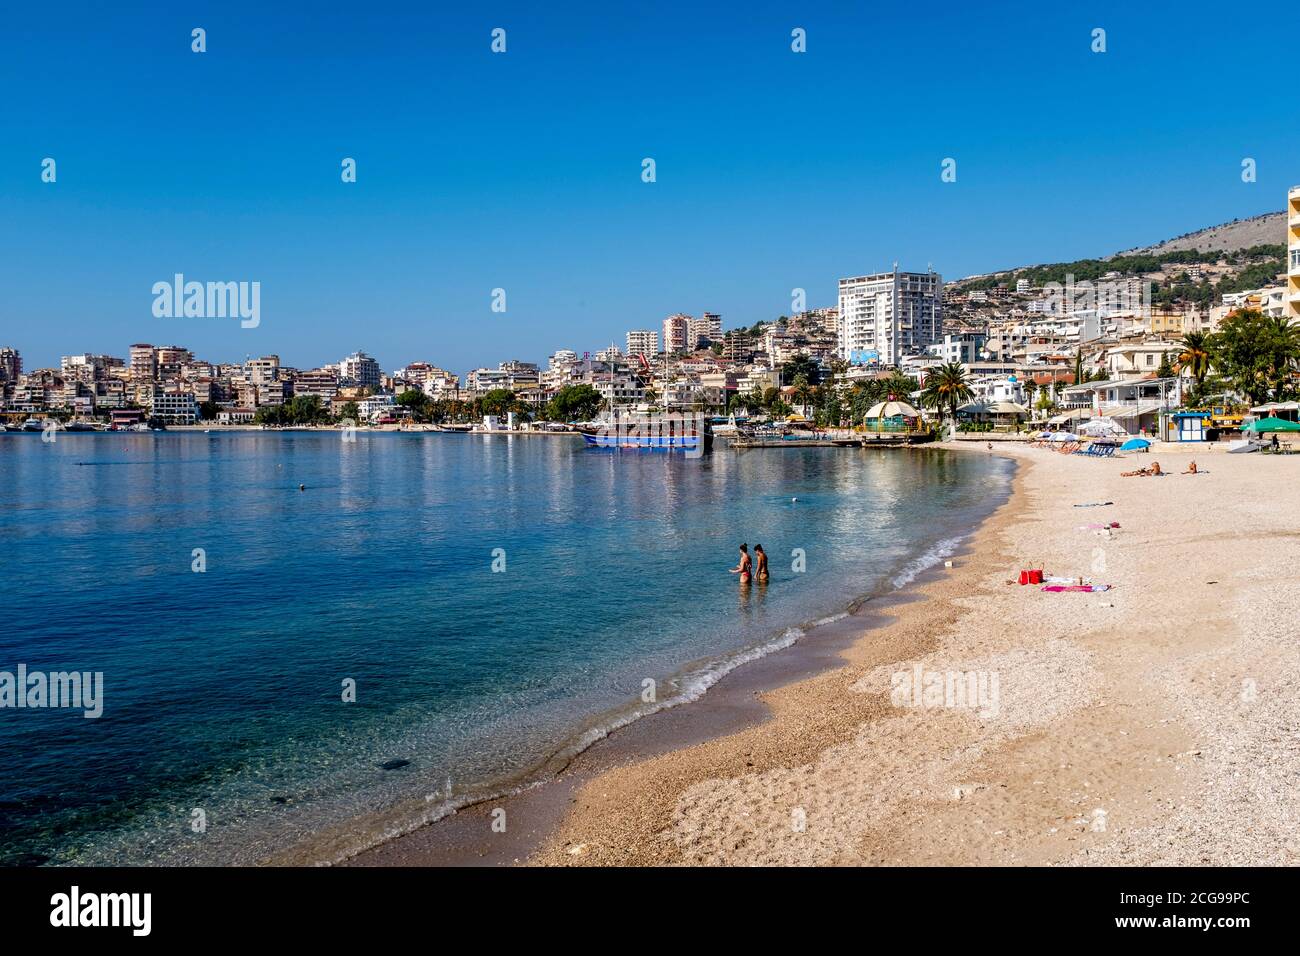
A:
{"x":1139,"y":726}
{"x":730,"y":705}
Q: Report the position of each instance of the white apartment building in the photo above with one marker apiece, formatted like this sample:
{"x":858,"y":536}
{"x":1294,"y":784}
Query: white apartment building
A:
{"x":174,"y":409}
{"x":359,"y":369}
{"x":440,"y":384}
{"x":619,"y":389}
{"x":885,"y":316}
{"x":704,"y":331}
{"x":959,"y":346}
{"x":643,"y":342}
{"x":376,"y":406}
{"x":561,"y":358}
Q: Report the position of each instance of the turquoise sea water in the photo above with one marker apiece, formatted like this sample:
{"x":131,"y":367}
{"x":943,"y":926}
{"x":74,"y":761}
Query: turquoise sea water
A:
{"x":223,"y":689}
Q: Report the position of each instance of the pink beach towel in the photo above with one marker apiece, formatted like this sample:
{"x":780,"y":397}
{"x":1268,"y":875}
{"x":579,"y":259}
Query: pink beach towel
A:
{"x":1077,"y":587}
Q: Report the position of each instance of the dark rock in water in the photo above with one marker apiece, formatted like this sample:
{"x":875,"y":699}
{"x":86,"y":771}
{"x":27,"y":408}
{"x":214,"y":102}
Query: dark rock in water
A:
{"x":396,"y":764}
{"x":280,"y":800}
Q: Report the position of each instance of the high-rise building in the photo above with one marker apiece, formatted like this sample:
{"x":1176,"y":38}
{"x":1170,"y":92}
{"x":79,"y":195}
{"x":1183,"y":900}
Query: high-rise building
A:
{"x":11,"y":365}
{"x":885,"y":316}
{"x":359,"y":369}
{"x":705,"y":330}
{"x":1293,"y":253}
{"x":262,"y":371}
{"x":561,"y":358}
{"x":144,"y":364}
{"x":676,"y":329}
{"x":85,"y":367}
{"x":321,"y":382}
{"x":643,"y":342}
{"x":168,"y":360}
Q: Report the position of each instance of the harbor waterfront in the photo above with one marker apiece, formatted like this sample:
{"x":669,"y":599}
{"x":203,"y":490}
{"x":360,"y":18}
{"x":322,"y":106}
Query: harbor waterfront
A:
{"x":296,"y":631}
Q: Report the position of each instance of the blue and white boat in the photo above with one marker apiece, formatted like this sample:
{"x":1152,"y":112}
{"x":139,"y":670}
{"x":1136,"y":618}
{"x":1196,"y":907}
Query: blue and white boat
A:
{"x":615,"y":439}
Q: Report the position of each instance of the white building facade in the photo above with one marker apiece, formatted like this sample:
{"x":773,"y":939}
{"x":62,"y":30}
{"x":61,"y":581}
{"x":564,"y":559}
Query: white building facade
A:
{"x":885,"y":316}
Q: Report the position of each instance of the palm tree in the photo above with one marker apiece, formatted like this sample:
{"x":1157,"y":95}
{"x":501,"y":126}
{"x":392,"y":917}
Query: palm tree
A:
{"x":946,"y":388}
{"x":1194,"y":356}
{"x":802,"y":391}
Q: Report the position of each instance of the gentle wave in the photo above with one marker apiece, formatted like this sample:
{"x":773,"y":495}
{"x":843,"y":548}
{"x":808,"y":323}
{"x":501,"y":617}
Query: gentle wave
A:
{"x":939,"y":552}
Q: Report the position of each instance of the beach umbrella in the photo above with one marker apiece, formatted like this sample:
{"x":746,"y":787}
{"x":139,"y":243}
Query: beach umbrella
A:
{"x":1100,"y":426}
{"x":1272,"y":425}
{"x":1135,"y":444}
{"x":892,"y":410}
{"x":1064,"y":436}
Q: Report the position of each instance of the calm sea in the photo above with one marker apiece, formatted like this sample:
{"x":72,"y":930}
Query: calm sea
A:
{"x":497,"y":603}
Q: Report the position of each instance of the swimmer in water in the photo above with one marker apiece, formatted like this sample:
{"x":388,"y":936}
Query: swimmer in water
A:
{"x":743,"y":567}
{"x":760,"y":564}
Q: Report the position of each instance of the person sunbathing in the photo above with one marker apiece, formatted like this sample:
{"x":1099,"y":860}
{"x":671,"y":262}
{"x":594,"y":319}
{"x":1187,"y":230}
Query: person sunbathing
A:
{"x":1155,"y":469}
{"x":1191,"y":468}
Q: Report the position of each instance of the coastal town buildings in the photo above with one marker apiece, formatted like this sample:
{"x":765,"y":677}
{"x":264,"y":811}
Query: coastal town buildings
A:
{"x":1014,"y":337}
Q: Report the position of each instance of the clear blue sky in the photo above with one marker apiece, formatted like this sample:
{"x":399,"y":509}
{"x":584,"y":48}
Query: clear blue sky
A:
{"x":522,"y":170}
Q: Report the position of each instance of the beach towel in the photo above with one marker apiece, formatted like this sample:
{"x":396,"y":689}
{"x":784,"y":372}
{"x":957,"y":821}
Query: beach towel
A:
{"x":1095,"y":504}
{"x":1077,"y":587}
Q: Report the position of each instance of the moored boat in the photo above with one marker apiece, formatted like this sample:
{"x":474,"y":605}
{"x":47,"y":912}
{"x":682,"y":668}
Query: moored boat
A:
{"x":615,"y":439}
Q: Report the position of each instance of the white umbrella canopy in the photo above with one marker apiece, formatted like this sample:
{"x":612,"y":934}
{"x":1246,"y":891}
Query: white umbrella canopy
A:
{"x":1100,"y":427}
{"x":1008,"y":408}
{"x":1064,"y":436}
{"x":892,"y":410}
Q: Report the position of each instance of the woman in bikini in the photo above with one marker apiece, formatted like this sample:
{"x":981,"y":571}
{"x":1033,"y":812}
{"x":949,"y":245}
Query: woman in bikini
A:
{"x":760,"y":564}
{"x":743,"y":567}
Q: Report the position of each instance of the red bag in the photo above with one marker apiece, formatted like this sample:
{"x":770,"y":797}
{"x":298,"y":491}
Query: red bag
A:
{"x":1036,"y":577}
{"x":1024,"y":577}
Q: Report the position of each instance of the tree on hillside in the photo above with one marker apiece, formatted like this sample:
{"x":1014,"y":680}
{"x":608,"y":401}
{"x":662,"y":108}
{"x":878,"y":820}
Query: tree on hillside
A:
{"x":800,"y":365}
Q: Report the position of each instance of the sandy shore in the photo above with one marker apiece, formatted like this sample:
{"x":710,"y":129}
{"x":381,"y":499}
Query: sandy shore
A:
{"x":1155,"y":723}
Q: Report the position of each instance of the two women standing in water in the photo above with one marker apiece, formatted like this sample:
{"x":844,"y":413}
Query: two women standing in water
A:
{"x":750,"y":568}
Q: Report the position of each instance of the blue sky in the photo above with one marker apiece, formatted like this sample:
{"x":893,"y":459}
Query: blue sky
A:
{"x":522,"y":171}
